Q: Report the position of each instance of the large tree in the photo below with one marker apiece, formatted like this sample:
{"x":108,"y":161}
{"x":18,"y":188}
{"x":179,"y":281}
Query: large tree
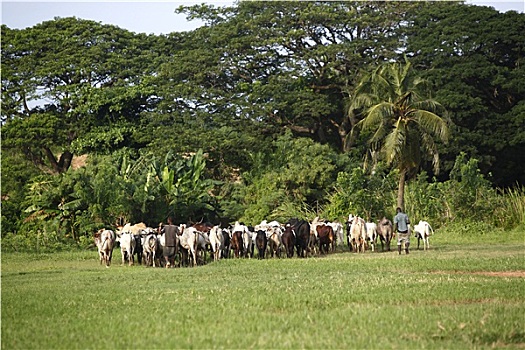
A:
{"x":70,"y":79}
{"x":282,"y":64}
{"x":475,"y":56}
{"x":401,"y":120}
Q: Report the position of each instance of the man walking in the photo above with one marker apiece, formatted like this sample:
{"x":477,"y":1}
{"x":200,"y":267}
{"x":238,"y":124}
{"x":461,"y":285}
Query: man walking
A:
{"x":401,"y":222}
{"x":170,"y":241}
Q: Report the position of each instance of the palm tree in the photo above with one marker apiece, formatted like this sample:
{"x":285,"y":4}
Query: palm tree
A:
{"x":403,"y":122}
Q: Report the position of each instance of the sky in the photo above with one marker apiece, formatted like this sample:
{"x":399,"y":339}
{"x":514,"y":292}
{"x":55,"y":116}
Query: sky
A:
{"x":150,"y":17}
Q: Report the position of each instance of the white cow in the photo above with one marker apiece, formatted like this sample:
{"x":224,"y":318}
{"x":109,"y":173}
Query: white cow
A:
{"x":127,"y":247}
{"x":216,"y":242}
{"x":150,"y":248}
{"x":188,"y":241}
{"x":247,"y":240}
{"x":202,"y":241}
{"x":133,"y":229}
{"x":371,"y":234}
{"x":357,"y":233}
{"x":338,"y":231}
{"x":423,"y":230}
{"x":128,"y":244}
{"x":105,"y":241}
{"x":273,"y":234}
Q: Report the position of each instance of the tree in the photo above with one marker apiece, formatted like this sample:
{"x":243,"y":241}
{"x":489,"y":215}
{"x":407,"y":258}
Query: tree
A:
{"x":474,"y":55}
{"x":403,"y":122}
{"x":275,"y":65}
{"x":67,"y":79}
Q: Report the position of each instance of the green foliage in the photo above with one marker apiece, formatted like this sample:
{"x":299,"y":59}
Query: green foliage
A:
{"x":77,"y":75}
{"x":426,"y":200}
{"x":284,"y":63}
{"x":41,"y":242}
{"x":510,"y":210}
{"x":116,"y":189}
{"x":469,"y":194}
{"x":16,"y":172}
{"x":187,"y":190}
{"x":464,"y":199}
{"x":297,"y":174}
{"x":370,"y":196}
{"x":103,"y":140}
{"x":473,"y":55}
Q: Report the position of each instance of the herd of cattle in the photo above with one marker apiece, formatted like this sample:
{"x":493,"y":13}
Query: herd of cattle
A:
{"x":271,"y":239}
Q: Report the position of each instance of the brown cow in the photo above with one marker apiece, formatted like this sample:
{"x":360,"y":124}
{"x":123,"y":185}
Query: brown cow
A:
{"x":288,"y":239}
{"x":385,"y":231}
{"x":326,"y":238}
{"x":236,"y":243}
{"x":204,"y":227}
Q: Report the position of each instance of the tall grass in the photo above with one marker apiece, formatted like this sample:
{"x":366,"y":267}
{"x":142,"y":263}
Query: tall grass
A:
{"x":429,"y":299}
{"x":511,"y":212}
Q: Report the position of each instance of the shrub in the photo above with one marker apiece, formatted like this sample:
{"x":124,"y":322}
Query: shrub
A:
{"x":368,"y":195}
{"x":425,"y":201}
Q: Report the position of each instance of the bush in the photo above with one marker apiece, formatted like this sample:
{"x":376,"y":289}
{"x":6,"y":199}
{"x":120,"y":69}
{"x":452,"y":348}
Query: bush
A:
{"x":426,"y":201}
{"x":466,"y":198}
{"x":468,"y":194}
{"x":371,"y":196}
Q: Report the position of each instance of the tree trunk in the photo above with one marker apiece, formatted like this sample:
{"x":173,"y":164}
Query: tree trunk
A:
{"x":65,"y":161}
{"x":401,"y":190}
{"x":62,"y":164}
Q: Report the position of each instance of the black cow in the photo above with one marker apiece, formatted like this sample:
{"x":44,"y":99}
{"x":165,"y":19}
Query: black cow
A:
{"x":226,"y":247}
{"x":138,"y":248}
{"x":288,"y":239}
{"x":261,"y":241}
{"x":302,"y":236}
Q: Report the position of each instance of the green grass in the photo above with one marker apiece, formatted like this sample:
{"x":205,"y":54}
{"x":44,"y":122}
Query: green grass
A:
{"x":432,"y":299}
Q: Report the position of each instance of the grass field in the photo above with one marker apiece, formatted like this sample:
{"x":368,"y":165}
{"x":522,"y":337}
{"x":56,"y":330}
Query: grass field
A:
{"x":464,"y":295}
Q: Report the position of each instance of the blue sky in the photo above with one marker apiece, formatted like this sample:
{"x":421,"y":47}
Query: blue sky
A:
{"x":140,"y":16}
